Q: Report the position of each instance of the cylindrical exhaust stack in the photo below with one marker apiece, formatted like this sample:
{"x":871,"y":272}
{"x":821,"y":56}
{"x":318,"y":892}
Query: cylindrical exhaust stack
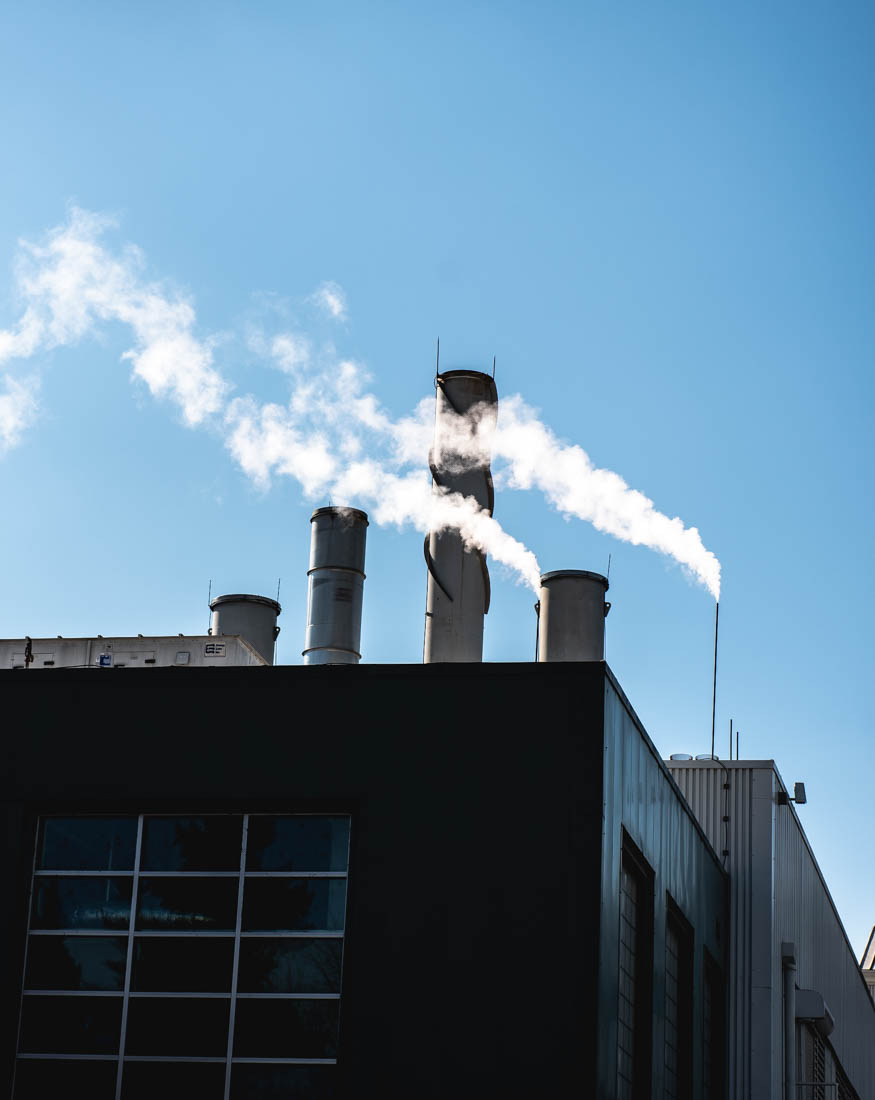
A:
{"x":252,"y":617}
{"x":336,"y":586}
{"x":458,"y":580}
{"x":571,"y":616}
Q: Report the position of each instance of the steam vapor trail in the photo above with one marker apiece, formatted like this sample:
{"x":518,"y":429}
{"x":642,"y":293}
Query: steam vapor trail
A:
{"x":332,"y":436}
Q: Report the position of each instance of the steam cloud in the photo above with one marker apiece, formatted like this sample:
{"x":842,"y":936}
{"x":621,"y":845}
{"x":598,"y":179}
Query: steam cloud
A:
{"x":333,"y":435}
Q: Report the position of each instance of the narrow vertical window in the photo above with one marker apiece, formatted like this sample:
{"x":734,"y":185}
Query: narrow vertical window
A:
{"x":713,"y":1029}
{"x":635,"y":975}
{"x":678,"y":1071}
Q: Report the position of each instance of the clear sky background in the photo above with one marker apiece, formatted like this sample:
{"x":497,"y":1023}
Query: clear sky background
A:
{"x":658,"y":218}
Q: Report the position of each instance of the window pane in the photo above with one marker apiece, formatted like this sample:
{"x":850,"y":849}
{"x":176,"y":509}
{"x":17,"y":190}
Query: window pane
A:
{"x":177,"y":1026}
{"x":294,"y":904}
{"x":38,"y":1080}
{"x":76,"y":962}
{"x":81,"y":902}
{"x":289,"y":966}
{"x":272,"y":1082}
{"x":70,"y":1025}
{"x":87,"y":843}
{"x":286,"y":1029}
{"x":177,"y":904}
{"x":192,"y":843}
{"x":302,"y":843}
{"x":185,"y":965}
{"x":172,"y":1080}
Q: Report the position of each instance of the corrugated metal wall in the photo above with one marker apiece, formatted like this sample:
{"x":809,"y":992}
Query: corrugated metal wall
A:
{"x":805,"y":915}
{"x":640,"y":797}
{"x":776,"y":894}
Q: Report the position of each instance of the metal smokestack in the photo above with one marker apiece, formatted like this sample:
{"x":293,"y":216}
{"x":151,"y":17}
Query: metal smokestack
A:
{"x":458,"y":580}
{"x":336,"y":586}
{"x":571,"y":616}
{"x":252,"y":617}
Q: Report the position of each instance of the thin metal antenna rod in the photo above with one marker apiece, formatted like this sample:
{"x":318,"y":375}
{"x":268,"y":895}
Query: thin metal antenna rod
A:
{"x":714,"y":693}
{"x":209,"y":601}
{"x":437,"y":362}
{"x":730,"y":738}
{"x":493,"y":368}
{"x":278,"y":583}
{"x":609,"y":566}
{"x":737,"y":757}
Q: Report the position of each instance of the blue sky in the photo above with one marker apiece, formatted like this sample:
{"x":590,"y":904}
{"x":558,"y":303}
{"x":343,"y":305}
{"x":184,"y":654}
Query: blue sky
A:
{"x":658,"y":219}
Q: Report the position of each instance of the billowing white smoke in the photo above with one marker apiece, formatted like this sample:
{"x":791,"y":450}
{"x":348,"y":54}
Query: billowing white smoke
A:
{"x":332,"y":435}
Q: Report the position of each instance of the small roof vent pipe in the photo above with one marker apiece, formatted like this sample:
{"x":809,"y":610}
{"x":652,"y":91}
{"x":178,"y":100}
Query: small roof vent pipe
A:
{"x":571,"y":616}
{"x":336,"y":586}
{"x":466,"y":404}
{"x":252,"y":617}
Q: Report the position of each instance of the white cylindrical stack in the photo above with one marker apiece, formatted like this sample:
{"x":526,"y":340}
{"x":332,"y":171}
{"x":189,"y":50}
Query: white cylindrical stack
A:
{"x":458,"y":580}
{"x":336,"y":586}
{"x":571,"y":616}
{"x":252,"y":617}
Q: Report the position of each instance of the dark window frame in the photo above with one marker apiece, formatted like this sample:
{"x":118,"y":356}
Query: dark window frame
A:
{"x":714,"y":1036}
{"x":633,"y":863}
{"x":683,"y":930}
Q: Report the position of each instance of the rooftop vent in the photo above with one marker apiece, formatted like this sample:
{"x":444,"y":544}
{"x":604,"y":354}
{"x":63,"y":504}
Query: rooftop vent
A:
{"x":336,"y":586}
{"x":571,"y":616}
{"x":252,"y":617}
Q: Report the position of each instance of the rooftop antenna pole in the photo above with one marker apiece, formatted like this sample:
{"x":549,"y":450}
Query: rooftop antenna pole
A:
{"x":493,"y":368}
{"x":730,"y":738}
{"x":609,"y":567}
{"x":714,"y":693}
{"x":209,"y":601}
{"x":737,"y":757}
{"x":278,"y":582}
{"x":437,"y":362}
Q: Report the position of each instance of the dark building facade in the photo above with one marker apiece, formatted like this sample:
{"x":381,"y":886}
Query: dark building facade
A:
{"x":519,"y":899}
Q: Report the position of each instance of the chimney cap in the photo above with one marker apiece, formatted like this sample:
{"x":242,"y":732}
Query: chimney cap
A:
{"x":338,"y":509}
{"x":241,"y":597}
{"x":575,"y":573}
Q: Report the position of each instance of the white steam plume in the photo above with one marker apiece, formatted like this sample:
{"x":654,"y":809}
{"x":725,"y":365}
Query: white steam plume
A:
{"x":332,"y":435}
{"x":535,"y":458}
{"x":69,"y":283}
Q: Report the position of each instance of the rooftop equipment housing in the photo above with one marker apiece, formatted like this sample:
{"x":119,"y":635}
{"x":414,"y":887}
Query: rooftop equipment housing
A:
{"x":466,"y":408}
{"x":336,"y":586}
{"x":252,"y":617}
{"x":571,"y":616}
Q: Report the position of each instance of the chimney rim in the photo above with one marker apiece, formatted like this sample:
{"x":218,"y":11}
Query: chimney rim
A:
{"x":556,"y":573}
{"x":338,"y":509}
{"x":244,"y":597}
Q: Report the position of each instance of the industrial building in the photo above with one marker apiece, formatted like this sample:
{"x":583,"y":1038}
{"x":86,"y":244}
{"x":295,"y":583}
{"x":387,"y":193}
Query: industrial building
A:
{"x":227,"y":879}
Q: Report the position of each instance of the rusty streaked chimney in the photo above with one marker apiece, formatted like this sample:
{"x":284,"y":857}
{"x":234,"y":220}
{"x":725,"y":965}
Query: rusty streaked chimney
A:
{"x":466,"y":409}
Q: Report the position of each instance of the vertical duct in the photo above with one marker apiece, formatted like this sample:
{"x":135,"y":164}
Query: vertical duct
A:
{"x":252,"y":617}
{"x":466,"y":408}
{"x":571,"y":616}
{"x":336,"y":586}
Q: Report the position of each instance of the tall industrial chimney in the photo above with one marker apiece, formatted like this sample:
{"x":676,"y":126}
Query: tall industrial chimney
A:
{"x":252,"y":617}
{"x":336,"y":586}
{"x":466,"y":409}
{"x":571,"y":616}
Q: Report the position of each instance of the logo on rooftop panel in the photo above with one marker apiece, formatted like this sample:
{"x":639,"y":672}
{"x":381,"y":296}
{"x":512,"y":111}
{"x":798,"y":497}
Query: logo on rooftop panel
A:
{"x":214,"y":649}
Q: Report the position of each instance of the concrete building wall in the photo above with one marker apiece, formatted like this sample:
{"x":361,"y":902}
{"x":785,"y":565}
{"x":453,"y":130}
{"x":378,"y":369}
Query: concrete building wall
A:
{"x":185,"y":651}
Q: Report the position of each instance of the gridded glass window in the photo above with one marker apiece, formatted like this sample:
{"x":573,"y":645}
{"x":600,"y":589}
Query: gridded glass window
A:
{"x":184,"y":955}
{"x":635,"y":975}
